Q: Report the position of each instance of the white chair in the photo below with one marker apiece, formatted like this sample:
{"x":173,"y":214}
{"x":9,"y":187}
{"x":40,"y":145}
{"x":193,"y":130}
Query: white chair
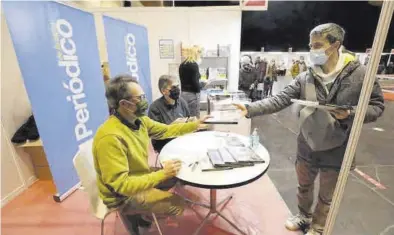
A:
{"x":84,"y":165}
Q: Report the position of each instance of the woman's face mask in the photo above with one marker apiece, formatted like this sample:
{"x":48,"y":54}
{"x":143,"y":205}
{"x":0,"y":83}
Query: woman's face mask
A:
{"x":247,"y":67}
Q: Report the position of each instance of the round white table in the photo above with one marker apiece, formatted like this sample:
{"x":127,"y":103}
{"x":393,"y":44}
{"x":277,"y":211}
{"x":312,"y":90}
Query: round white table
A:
{"x":193,"y":148}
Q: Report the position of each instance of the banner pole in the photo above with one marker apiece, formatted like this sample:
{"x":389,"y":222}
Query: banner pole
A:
{"x":370,"y":76}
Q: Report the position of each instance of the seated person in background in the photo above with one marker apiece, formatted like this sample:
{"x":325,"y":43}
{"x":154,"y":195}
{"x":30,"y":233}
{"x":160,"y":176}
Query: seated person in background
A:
{"x":169,"y":108}
{"x":120,"y":150}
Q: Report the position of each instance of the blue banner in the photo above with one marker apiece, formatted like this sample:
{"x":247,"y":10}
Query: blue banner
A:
{"x":128,"y":51}
{"x":57,"y":51}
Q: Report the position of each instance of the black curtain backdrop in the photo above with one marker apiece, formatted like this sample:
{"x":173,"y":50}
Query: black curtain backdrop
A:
{"x":287,"y":24}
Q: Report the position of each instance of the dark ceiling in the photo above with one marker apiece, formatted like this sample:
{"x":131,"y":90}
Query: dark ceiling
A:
{"x":287,"y":23}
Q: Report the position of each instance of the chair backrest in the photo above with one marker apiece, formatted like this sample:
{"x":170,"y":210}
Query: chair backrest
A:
{"x":84,"y":164}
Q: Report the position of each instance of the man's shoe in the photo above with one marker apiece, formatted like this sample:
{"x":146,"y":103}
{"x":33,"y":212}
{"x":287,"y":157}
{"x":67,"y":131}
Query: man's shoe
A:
{"x":132,"y":224}
{"x":313,"y":232}
{"x":298,"y":222}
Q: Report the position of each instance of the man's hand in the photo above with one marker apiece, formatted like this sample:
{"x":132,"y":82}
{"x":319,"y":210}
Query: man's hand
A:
{"x":203,"y":119}
{"x":203,"y":127}
{"x":171,"y":167}
{"x":243,"y":109}
{"x":179,"y":120}
{"x":340,"y":113}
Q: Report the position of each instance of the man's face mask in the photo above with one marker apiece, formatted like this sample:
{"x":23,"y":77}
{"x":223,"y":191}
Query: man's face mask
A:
{"x":141,"y":106}
{"x":320,"y":56}
{"x":175,"y":93}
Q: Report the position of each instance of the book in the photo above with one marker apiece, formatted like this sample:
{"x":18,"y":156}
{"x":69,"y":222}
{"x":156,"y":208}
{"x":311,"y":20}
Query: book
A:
{"x":215,"y":158}
{"x":245,"y":155}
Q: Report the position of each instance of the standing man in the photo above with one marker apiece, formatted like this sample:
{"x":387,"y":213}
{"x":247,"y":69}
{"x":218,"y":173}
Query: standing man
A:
{"x":120,"y":150}
{"x":302,"y":65}
{"x":261,"y":69}
{"x":272,"y":72}
{"x":169,"y":108}
{"x":335,"y":78}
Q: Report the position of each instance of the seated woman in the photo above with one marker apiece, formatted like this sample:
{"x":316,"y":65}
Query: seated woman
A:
{"x":169,"y":108}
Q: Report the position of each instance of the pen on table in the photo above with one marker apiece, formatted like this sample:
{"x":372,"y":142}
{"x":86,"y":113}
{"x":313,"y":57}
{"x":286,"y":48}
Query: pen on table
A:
{"x":193,"y":163}
{"x":194,"y":166}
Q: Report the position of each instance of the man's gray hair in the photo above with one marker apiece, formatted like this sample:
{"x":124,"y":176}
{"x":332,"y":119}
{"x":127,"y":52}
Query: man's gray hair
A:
{"x":165,"y":80}
{"x":117,"y":89}
{"x":331,"y":31}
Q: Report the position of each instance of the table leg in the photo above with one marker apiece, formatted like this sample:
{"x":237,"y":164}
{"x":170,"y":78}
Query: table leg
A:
{"x":197,"y":203}
{"x":231,"y":223}
{"x":212,"y":200}
{"x":202,"y":224}
{"x":225,"y":200}
{"x":213,"y":210}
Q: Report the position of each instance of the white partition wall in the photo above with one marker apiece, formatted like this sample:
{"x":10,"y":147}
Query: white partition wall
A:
{"x":206,"y":27}
{"x":16,"y":165}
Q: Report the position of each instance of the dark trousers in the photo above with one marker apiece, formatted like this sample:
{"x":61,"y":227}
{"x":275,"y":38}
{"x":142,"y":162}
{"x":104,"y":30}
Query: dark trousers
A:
{"x":306,"y":175}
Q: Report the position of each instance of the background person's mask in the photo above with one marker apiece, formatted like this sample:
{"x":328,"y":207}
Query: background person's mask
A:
{"x":175,"y":93}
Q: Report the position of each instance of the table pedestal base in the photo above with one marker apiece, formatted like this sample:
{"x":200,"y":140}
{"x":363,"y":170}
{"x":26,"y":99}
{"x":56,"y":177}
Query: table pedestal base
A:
{"x":212,"y":211}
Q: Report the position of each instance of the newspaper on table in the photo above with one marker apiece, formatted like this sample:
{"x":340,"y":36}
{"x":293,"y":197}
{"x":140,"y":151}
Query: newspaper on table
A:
{"x":244,"y":155}
{"x":233,"y":154}
{"x":224,"y":117}
{"x":316,"y":104}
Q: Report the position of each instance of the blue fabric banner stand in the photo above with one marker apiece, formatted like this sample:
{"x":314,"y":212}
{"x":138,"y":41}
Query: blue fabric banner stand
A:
{"x":57,"y":51}
{"x":128,"y":51}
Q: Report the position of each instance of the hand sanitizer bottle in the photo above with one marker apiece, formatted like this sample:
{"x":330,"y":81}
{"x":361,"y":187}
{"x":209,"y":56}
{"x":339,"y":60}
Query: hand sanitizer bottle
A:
{"x":254,"y":139}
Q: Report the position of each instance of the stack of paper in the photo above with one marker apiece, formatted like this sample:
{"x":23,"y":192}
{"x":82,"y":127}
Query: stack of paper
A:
{"x":244,"y":154}
{"x":224,"y":117}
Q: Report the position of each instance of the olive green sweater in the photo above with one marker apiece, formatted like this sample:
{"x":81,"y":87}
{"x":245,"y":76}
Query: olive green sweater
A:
{"x":121,"y":157}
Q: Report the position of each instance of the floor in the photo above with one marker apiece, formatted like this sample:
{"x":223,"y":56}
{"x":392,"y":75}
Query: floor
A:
{"x":368,"y":204}
{"x":256,"y":208}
